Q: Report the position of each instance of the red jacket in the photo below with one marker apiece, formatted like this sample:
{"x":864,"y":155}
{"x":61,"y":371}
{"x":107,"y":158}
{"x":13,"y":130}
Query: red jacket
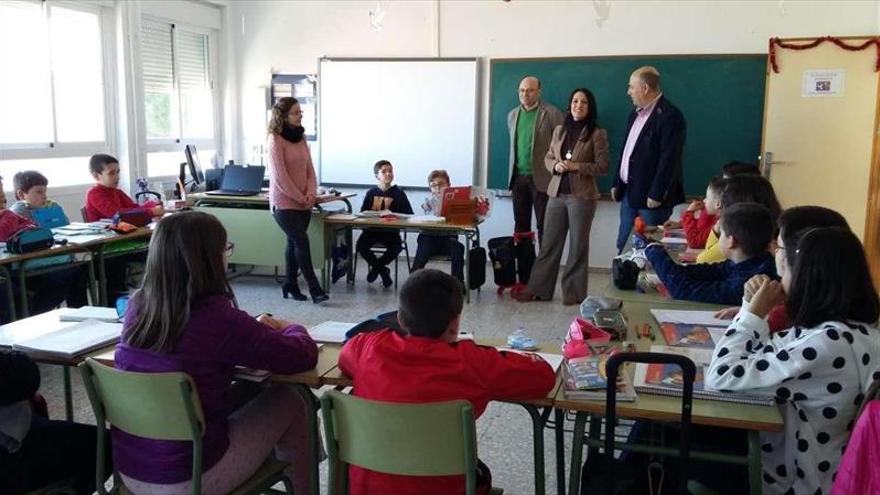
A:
{"x":390,"y":367}
{"x":104,"y":202}
{"x":696,"y":230}
{"x":11,"y":222}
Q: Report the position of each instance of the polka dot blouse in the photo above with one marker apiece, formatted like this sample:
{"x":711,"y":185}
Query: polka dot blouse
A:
{"x":819,"y":377}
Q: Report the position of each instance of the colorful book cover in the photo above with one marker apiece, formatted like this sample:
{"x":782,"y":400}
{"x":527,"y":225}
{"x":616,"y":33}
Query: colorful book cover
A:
{"x":670,"y":376}
{"x":587,"y":373}
{"x":687,"y":335}
{"x":454,"y":193}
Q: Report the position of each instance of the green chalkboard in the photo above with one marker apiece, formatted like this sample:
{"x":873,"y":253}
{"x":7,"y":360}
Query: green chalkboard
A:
{"x":721,"y":97}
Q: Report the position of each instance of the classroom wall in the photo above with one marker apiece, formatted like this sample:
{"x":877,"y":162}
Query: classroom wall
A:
{"x":289,"y":37}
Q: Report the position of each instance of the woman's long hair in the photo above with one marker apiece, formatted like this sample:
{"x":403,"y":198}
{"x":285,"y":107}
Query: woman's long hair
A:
{"x":831,"y":280}
{"x":185,"y":264}
{"x":279,"y":114}
{"x":592,"y":113}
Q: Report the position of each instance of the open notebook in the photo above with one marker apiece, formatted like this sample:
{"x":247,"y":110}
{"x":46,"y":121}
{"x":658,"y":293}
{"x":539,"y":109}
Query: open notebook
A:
{"x":107,"y":315}
{"x":72,"y":341}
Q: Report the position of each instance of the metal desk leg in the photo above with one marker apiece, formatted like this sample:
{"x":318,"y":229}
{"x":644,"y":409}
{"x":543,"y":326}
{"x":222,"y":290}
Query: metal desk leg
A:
{"x":10,"y":294}
{"x":22,"y":287}
{"x":68,"y":394}
{"x":560,"y":450}
{"x":102,"y":276}
{"x":755,"y":462}
{"x":577,"y":452}
{"x":93,"y":283}
{"x":312,"y":406}
{"x":467,"y":268}
{"x":538,"y":421}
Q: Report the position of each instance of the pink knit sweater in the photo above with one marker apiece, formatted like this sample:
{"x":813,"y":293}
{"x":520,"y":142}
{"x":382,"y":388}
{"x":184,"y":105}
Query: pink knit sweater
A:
{"x":291,"y":174}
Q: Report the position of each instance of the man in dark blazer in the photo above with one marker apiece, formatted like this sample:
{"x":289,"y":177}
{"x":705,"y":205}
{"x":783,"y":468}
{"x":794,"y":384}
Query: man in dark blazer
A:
{"x":648,"y":182}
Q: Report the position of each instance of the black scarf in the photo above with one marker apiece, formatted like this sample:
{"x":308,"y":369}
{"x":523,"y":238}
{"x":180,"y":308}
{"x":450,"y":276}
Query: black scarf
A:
{"x":292,"y":134}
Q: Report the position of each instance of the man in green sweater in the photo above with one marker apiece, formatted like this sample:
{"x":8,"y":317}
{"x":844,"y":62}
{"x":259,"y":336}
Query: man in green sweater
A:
{"x":531,"y":127}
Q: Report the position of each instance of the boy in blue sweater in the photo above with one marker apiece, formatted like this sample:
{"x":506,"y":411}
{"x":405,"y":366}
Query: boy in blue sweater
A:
{"x":746,"y":232}
{"x":384,"y":196}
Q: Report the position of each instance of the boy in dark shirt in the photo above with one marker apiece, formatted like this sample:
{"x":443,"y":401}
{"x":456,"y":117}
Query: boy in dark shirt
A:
{"x":384,"y":196}
{"x":746,"y":232}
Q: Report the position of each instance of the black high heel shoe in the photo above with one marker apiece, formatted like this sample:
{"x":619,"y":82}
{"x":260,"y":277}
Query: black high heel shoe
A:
{"x":292,"y":291}
{"x":318,"y":295}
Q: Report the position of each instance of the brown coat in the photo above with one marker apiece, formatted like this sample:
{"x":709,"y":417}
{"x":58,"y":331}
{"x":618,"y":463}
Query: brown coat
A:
{"x":589,"y":157}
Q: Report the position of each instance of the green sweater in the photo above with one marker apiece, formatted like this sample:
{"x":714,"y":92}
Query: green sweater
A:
{"x":525,"y":131}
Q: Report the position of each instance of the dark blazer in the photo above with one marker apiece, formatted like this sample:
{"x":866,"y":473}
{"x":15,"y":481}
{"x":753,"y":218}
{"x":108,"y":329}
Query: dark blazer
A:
{"x":655,"y":162}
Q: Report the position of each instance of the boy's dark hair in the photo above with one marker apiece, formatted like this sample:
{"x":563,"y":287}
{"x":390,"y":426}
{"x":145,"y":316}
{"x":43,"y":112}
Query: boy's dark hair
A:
{"x":98,"y":161}
{"x":437,"y":174}
{"x":797,"y":221}
{"x":717,"y":184}
{"x":735,"y":169}
{"x":750,"y":189}
{"x":24,"y":181}
{"x":831,"y":280}
{"x":429,"y":301}
{"x":378,"y":166}
{"x":752,"y":226}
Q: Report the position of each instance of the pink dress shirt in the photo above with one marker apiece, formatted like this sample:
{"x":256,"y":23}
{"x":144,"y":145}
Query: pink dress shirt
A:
{"x":642,"y":115}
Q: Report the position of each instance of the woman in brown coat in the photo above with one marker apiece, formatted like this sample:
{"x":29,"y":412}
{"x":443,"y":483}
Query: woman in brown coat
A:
{"x":578,"y":153}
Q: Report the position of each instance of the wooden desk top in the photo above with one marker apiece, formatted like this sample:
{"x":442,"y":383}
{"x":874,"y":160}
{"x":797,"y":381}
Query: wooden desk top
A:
{"x":7,"y":258}
{"x":396,"y":223}
{"x":260,"y":199}
{"x":655,"y":298}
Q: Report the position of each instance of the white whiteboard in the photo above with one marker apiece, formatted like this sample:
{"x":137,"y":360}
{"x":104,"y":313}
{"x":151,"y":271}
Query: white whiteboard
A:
{"x":420,"y":115}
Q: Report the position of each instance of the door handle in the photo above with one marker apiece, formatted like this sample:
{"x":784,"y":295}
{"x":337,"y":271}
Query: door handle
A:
{"x":767,"y":163}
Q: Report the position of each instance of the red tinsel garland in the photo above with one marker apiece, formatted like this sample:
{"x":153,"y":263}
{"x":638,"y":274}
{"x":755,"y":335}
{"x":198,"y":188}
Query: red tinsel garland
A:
{"x":774,"y":42}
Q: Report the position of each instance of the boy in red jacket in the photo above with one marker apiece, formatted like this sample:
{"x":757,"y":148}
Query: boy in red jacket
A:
{"x":105,"y":199}
{"x":700,"y":216}
{"x":427,"y":363}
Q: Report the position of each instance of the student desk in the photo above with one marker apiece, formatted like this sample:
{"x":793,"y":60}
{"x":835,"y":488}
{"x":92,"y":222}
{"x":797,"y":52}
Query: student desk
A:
{"x":258,"y":239}
{"x":752,"y":418}
{"x":349,"y":221}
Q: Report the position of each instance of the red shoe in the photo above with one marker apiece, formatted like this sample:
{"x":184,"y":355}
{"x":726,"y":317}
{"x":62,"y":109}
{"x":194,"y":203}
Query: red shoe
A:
{"x":518,"y":288}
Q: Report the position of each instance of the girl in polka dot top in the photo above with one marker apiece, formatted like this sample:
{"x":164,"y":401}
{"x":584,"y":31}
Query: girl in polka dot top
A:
{"x":820,"y":368}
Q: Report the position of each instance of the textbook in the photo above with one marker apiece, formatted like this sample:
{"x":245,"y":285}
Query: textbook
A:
{"x":667,"y":379}
{"x":72,"y":341}
{"x":585,"y":378}
{"x":330,"y":331}
{"x":687,"y":335}
{"x":108,"y":315}
{"x":693,"y":317}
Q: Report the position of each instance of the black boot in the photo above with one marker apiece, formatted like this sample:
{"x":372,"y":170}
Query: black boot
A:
{"x":293,"y":291}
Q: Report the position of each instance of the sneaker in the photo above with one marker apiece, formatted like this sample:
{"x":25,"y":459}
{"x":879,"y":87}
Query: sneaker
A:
{"x":386,"y":277}
{"x":372,"y":274}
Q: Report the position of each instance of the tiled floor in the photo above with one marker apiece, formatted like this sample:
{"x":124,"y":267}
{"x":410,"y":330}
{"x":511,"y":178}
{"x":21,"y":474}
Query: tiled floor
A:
{"x":505,"y":432}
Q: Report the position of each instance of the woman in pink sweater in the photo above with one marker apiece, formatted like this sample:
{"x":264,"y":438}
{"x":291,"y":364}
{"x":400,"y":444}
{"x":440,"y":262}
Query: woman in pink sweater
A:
{"x":292,"y":188}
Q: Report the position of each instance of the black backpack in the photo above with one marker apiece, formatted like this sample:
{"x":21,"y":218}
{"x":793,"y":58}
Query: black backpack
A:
{"x":502,"y":252}
{"x":476,"y":266}
{"x":624,"y":273}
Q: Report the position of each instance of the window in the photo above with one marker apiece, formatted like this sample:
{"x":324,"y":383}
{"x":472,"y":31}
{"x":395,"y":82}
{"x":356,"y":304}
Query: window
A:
{"x":52,"y":91}
{"x":178,"y":93}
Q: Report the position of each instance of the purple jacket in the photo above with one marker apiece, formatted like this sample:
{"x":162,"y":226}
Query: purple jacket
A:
{"x":216,"y":339}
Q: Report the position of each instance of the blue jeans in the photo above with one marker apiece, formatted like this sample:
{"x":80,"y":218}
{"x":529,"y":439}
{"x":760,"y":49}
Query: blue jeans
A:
{"x":651,"y":216}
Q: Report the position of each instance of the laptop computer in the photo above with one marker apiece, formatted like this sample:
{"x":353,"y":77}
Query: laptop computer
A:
{"x":240,"y":181}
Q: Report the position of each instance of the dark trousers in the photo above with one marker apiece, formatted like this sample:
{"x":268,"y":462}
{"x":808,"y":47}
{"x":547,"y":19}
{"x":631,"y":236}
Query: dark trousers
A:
{"x":525,"y":198}
{"x":52,"y":451}
{"x":47,"y":291}
{"x":298,"y":256}
{"x":651,"y":216}
{"x":437,"y":245}
{"x":116,"y":271}
{"x":371,"y":237}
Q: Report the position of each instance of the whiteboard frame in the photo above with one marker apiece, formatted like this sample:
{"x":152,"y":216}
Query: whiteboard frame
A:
{"x":478,"y":118}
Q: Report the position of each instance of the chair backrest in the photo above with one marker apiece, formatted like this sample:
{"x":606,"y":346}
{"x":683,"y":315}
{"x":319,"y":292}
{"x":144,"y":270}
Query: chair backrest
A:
{"x":85,"y":216}
{"x":161,"y":406}
{"x":435,"y":439}
{"x":150,"y":405}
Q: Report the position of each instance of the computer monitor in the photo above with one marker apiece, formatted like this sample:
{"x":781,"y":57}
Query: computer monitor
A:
{"x":192,"y":161}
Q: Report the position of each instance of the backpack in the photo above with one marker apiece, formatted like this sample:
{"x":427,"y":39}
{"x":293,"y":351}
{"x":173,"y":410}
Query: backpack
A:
{"x":503,"y":255}
{"x":30,"y":239}
{"x":477,"y":267}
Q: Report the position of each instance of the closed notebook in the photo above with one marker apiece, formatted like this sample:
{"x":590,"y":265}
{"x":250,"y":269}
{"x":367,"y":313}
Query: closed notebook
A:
{"x":75,"y":340}
{"x":667,"y":379}
{"x":108,"y":315}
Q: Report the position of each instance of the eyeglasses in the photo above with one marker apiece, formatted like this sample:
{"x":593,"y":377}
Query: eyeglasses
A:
{"x":230,"y":247}
{"x":437,"y":185}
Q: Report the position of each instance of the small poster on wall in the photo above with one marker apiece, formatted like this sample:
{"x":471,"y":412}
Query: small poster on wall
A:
{"x":826,"y":82}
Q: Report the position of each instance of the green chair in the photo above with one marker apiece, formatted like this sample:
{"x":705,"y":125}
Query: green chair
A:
{"x":162,"y":406}
{"x":440,"y":438}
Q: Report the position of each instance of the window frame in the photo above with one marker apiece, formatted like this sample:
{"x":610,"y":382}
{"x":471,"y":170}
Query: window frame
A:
{"x":59,"y":149}
{"x":164,"y":145}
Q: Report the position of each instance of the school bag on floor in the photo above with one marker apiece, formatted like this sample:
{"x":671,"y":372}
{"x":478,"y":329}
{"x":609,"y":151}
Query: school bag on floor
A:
{"x":525,"y":255}
{"x":477,"y":266}
{"x":502,"y":252}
